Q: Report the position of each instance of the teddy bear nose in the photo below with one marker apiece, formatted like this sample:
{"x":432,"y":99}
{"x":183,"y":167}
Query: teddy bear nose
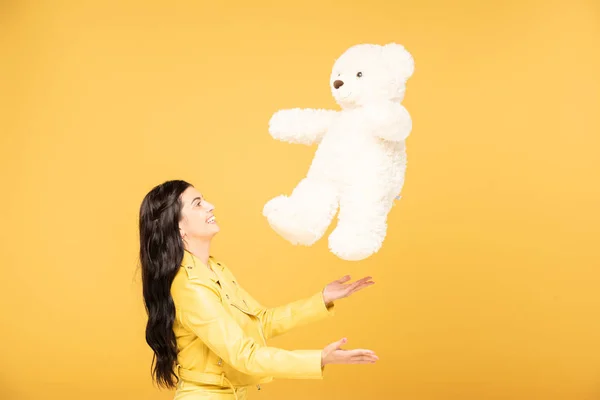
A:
{"x":338,"y":84}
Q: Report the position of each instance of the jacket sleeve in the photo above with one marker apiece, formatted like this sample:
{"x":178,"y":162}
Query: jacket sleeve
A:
{"x":279,"y":320}
{"x":202,"y":312}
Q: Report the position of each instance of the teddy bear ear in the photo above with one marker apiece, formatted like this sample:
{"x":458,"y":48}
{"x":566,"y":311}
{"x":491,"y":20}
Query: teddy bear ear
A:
{"x":399,"y":59}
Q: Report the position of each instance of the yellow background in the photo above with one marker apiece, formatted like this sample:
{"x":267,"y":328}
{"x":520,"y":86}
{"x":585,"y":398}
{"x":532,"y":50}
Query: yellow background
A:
{"x":488,"y":284}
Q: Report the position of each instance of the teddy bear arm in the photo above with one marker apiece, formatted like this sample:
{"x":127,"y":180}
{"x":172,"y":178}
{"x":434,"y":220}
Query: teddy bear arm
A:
{"x":390,"y":122}
{"x":301,"y":125}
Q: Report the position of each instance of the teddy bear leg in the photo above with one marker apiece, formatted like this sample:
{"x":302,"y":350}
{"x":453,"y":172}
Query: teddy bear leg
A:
{"x":361,"y":228}
{"x":303,"y":217}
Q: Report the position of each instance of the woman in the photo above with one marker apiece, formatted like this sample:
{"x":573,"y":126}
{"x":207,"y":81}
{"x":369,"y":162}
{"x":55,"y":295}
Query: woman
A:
{"x":207,"y":333}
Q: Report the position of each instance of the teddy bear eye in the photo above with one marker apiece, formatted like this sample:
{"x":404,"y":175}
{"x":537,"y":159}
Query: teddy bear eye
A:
{"x":359,"y":74}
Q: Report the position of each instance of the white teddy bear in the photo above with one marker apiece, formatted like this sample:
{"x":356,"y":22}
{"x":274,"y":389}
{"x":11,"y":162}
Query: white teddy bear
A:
{"x":360,"y":161}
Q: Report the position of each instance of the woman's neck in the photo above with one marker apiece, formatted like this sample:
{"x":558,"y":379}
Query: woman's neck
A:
{"x":201,"y":249}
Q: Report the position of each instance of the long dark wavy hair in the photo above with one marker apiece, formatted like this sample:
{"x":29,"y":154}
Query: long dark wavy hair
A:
{"x":161,"y":253}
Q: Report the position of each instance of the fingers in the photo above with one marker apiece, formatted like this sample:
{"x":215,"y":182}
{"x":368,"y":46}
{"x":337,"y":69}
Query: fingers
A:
{"x":346,"y":278}
{"x":359,"y":352}
{"x":337,"y":345}
{"x":343,"y":279}
{"x":363,"y":360}
{"x":360,"y":284}
{"x":333,"y":354}
{"x":365,"y":357}
{"x":362,"y":281}
{"x":360,"y":356}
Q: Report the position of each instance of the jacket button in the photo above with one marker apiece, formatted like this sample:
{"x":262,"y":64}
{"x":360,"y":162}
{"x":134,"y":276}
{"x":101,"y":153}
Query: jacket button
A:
{"x":226,"y":295}
{"x":219,"y":362}
{"x":189,"y":267}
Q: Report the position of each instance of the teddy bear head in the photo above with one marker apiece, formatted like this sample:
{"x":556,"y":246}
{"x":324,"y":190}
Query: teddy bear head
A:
{"x":368,"y":73}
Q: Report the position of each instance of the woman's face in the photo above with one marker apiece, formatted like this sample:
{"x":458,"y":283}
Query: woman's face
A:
{"x":197,"y":219}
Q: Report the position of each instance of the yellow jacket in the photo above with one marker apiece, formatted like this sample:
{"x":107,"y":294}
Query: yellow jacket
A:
{"x":221,"y":330}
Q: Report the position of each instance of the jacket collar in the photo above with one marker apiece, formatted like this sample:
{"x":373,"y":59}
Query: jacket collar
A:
{"x":197,"y":269}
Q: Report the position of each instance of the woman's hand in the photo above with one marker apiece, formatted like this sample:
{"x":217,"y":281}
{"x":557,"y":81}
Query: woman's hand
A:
{"x":339,"y":289}
{"x":334,"y":354}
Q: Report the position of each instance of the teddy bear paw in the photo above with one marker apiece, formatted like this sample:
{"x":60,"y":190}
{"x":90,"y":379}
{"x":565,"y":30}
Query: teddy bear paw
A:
{"x":354,"y":244}
{"x":288,"y":222}
{"x":273,"y":205}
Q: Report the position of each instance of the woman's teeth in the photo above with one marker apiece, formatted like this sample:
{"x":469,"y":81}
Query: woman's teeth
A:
{"x":211,"y":220}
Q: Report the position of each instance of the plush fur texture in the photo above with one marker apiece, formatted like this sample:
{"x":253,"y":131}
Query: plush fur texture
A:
{"x":360,"y":161}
